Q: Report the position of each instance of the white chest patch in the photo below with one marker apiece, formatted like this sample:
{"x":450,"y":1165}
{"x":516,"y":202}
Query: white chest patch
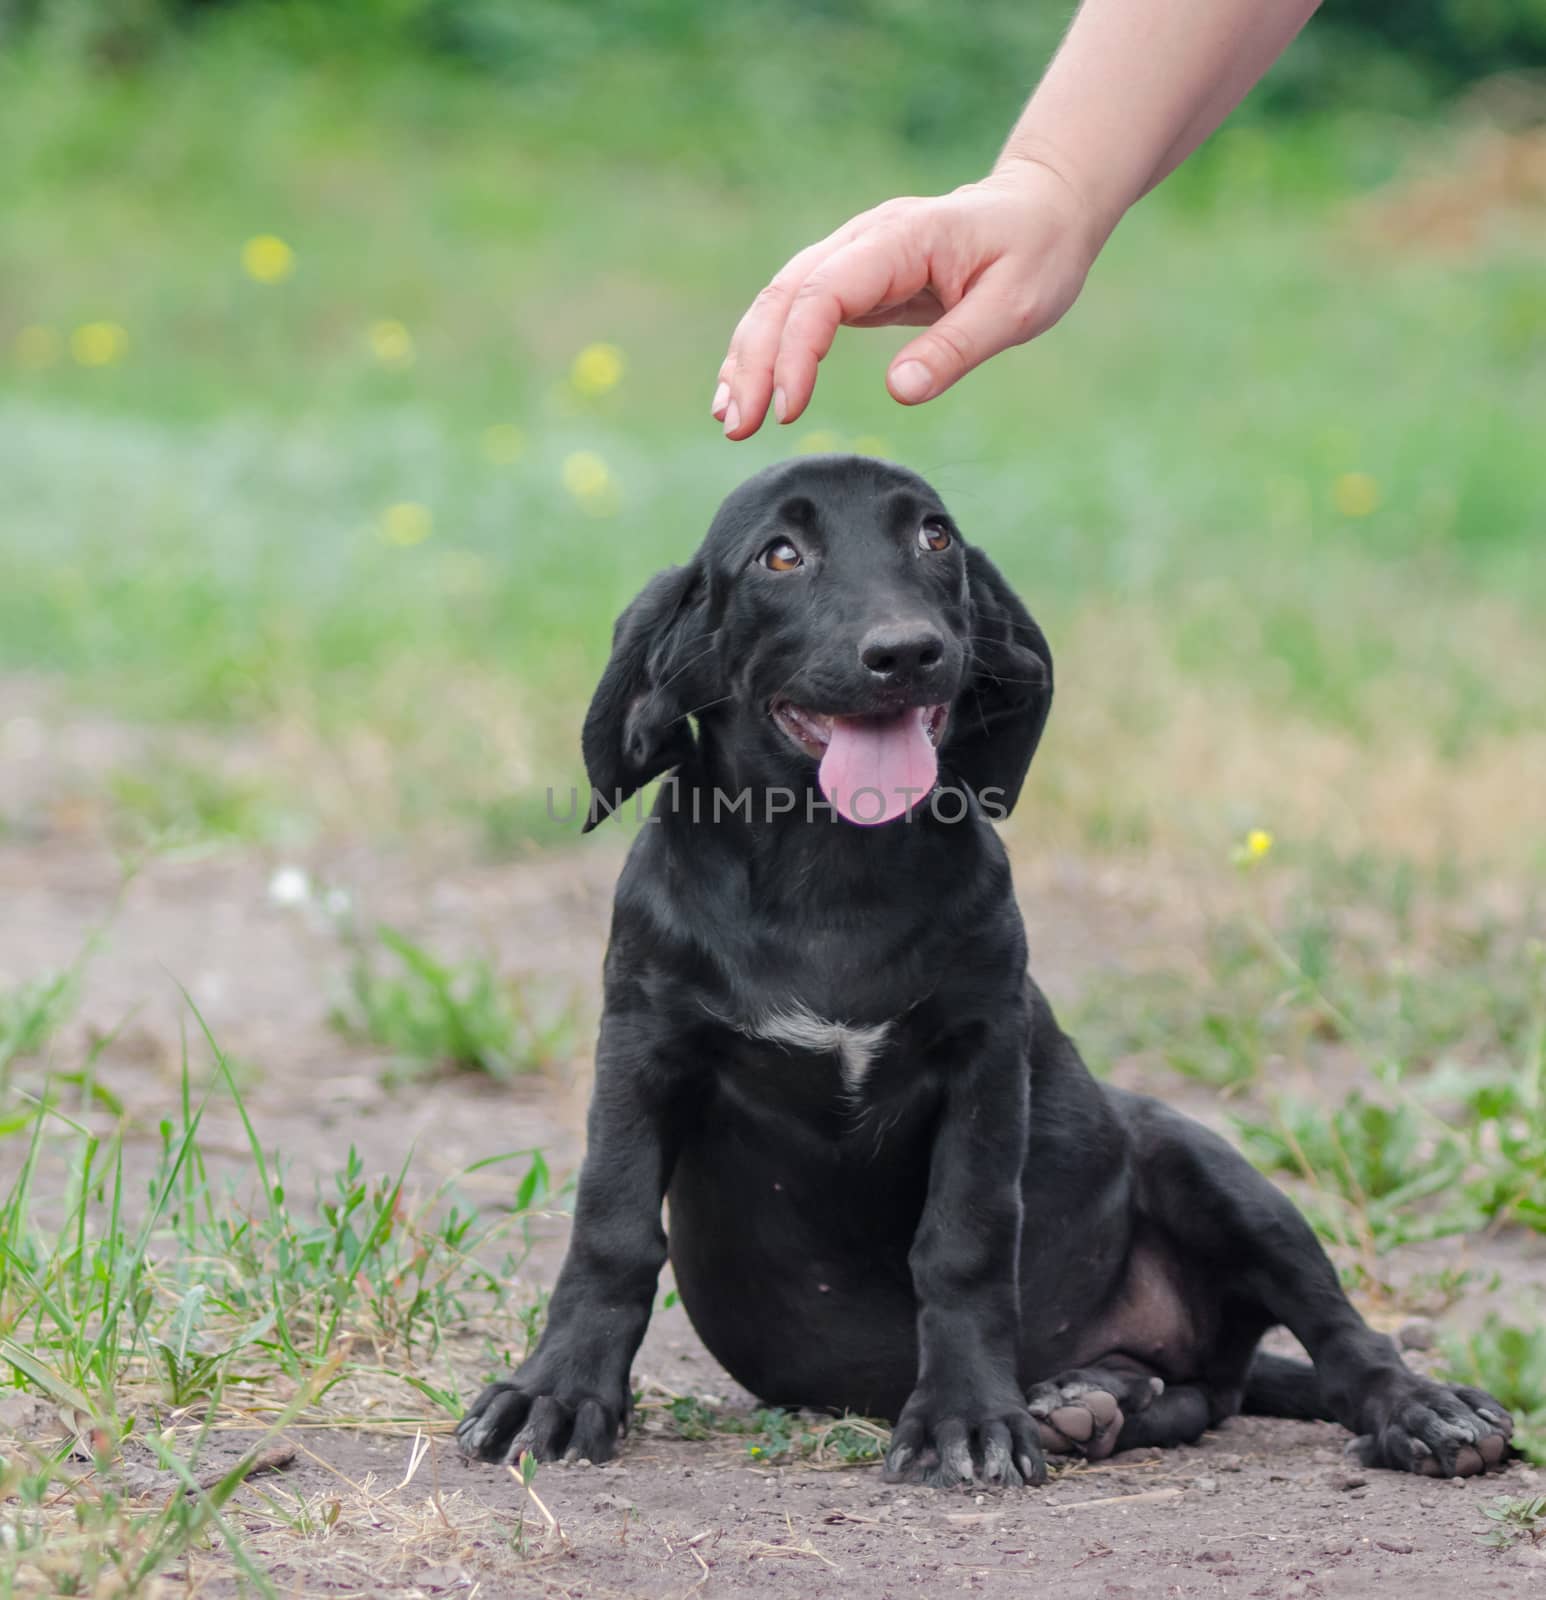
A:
{"x":799,"y":1028}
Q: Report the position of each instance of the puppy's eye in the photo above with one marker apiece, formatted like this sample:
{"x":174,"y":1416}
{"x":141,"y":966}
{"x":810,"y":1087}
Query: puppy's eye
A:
{"x":781,"y":556}
{"x":934,"y":535}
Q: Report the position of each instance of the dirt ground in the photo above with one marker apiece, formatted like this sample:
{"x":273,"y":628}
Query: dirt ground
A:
{"x":1259,"y":1508}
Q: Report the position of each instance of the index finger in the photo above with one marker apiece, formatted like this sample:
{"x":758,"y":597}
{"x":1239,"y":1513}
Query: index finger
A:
{"x":746,"y":374}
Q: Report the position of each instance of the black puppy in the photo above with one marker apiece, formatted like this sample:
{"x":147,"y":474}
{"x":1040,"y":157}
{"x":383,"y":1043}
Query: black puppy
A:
{"x":894,"y":1187}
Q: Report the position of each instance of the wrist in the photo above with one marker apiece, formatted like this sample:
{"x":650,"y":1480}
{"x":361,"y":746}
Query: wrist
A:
{"x":1041,"y":167}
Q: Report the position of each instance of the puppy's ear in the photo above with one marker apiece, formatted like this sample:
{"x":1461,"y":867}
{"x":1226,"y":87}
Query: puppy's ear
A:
{"x":637,"y":726}
{"x":999,"y":715}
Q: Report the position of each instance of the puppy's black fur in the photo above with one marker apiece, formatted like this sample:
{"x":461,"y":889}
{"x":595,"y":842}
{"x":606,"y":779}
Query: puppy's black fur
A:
{"x":893,"y":1185}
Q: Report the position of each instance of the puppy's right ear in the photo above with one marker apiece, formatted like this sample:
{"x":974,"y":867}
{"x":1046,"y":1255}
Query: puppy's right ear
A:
{"x":998,"y":719}
{"x":637,"y":726}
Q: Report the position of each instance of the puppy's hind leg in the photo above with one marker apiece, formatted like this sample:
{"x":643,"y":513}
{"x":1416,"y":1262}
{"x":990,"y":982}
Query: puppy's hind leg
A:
{"x":1279,"y":1386}
{"x":1247,"y":1237}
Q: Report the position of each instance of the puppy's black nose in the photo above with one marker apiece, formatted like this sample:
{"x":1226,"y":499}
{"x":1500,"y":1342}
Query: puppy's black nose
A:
{"x":902,"y":653}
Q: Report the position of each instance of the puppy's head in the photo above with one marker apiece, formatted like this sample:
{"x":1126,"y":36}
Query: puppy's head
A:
{"x":836,"y":625}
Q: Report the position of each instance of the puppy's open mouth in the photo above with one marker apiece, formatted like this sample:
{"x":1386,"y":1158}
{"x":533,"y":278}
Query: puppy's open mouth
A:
{"x":873,"y":768}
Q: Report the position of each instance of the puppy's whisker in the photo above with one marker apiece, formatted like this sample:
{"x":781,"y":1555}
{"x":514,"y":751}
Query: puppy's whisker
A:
{"x":694,"y":711}
{"x":778,"y":693}
{"x":692,"y":661}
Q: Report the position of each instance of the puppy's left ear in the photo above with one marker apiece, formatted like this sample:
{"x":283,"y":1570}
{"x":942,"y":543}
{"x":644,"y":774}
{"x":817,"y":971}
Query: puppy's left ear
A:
{"x":998,"y":717}
{"x":637,"y":726}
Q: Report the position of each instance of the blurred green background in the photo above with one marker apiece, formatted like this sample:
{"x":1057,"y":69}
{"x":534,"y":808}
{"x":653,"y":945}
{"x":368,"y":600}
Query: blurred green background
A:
{"x":355,"y":362}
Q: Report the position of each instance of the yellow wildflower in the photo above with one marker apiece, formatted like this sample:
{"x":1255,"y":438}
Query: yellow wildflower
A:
{"x":391,"y":343}
{"x":98,"y":344}
{"x":818,"y":442}
{"x":406,"y":523}
{"x":1252,"y":849}
{"x":597,"y":369}
{"x":589,"y":479}
{"x":266,"y":258}
{"x":1356,"y":494}
{"x":871,"y":444}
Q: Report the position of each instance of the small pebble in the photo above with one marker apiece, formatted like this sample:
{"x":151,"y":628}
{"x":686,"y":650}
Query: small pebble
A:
{"x":1397,"y":1547}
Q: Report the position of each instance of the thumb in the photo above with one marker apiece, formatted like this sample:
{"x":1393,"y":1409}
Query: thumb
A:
{"x":978,"y":326}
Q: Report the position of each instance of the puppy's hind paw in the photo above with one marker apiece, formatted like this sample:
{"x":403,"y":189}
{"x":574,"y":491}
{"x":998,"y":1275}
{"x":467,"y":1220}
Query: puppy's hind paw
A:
{"x":1081,"y":1413}
{"x":1439,"y":1430}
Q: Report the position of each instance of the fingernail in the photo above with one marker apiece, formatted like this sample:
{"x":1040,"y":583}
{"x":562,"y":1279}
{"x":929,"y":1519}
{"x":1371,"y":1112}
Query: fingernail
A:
{"x":732,"y":418}
{"x":721,"y":395}
{"x":780,"y":405}
{"x":911,"y":382}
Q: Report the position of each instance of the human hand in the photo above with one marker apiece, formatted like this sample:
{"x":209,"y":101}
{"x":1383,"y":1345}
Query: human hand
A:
{"x":990,"y":265}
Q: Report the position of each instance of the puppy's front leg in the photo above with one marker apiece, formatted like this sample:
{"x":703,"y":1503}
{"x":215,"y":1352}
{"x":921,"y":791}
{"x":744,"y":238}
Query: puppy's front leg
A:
{"x":967,"y":1416}
{"x":571,"y":1396}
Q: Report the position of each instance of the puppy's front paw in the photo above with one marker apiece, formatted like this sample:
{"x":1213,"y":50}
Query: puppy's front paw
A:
{"x":943,"y":1442}
{"x":552,"y":1422}
{"x":1439,"y":1430}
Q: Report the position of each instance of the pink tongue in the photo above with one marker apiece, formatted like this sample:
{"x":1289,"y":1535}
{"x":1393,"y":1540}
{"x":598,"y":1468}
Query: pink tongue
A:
{"x":875,"y":769}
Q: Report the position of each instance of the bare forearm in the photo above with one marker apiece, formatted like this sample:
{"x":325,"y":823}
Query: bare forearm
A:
{"x":1139,"y":84}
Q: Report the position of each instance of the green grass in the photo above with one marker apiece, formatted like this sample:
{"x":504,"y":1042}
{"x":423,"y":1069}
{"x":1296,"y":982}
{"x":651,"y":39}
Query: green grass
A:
{"x":431,"y":1015}
{"x":216,"y":500}
{"x":1442,"y":1143}
{"x":170,"y":805}
{"x":1517,"y":1519}
{"x":150,"y":1320}
{"x":1508,"y":1360}
{"x":31,"y":1013}
{"x":1377,"y":1037}
{"x":776,"y":1435}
